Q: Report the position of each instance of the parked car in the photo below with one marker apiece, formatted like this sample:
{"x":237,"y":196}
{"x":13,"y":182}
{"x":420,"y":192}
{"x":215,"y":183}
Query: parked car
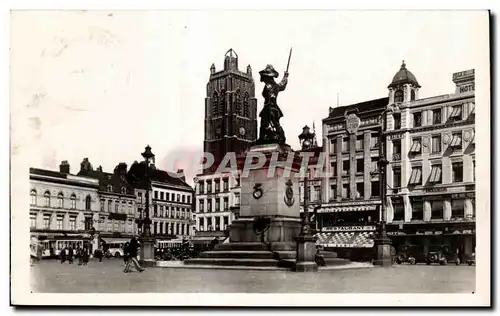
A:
{"x":410,"y":254}
{"x":471,"y":260}
{"x":441,"y":255}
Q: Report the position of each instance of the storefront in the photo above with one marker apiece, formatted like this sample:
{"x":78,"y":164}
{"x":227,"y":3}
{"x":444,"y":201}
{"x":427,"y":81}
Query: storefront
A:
{"x":51,"y":244}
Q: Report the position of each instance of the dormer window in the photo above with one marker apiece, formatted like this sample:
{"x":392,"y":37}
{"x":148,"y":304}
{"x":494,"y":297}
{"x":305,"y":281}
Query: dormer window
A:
{"x":124,"y":190}
{"x":412,"y":95}
{"x":110,"y":188}
{"x":398,"y":96}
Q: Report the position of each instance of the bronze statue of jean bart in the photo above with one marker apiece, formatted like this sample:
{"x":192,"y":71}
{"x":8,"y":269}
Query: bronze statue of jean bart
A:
{"x":270,"y":128}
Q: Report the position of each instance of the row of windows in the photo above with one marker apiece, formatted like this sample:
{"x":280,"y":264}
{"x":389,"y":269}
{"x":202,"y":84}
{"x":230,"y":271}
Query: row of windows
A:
{"x":455,"y":143}
{"x":217,"y":205}
{"x":360,"y":141}
{"x":60,"y":200}
{"x":219,"y":104}
{"x":435,"y":175}
{"x":455,"y":114}
{"x":161,"y":228}
{"x":166,"y":196}
{"x":123,"y":207}
{"x":437,"y":209}
{"x":225,"y":185}
{"x":360,"y":189}
{"x":213,"y":223}
{"x":117,"y":226}
{"x":314,"y":193}
{"x":58,"y":222}
{"x":171,"y":212}
{"x":360,"y":166}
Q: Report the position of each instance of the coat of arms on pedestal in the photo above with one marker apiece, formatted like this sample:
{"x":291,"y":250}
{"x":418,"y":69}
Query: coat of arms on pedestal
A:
{"x":289,"y":199}
{"x":257,"y":191}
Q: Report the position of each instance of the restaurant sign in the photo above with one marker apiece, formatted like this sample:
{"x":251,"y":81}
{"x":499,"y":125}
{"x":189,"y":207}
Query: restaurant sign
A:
{"x":348,"y":228}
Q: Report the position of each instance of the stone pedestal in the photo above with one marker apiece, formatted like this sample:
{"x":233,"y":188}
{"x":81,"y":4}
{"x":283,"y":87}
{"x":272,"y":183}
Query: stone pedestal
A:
{"x":306,"y":253}
{"x":383,"y":256}
{"x":263,"y":194}
{"x":147,"y":252}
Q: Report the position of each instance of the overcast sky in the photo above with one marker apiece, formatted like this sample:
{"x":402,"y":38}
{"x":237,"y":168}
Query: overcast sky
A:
{"x":103,"y":85}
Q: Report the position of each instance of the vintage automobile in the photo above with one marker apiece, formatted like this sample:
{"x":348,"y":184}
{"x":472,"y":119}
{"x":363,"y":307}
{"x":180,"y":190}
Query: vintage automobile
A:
{"x":409,"y":254}
{"x":471,"y":260}
{"x":441,"y":255}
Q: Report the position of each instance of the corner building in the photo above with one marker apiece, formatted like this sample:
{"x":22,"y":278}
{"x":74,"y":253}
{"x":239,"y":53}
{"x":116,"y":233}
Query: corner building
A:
{"x":431,"y":171}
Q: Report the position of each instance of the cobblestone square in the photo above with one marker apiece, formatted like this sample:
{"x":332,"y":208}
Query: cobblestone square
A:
{"x":50,"y":276}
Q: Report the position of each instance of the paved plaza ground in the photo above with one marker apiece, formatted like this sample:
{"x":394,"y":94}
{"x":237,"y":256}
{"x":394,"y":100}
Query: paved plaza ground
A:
{"x":50,"y":276}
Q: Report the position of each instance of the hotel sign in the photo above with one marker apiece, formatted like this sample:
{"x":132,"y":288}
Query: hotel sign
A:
{"x":396,"y":136}
{"x":348,"y":228}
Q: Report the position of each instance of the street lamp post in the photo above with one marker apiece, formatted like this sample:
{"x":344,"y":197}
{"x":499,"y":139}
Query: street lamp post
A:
{"x":147,"y":247}
{"x":382,"y":241}
{"x":306,"y":242}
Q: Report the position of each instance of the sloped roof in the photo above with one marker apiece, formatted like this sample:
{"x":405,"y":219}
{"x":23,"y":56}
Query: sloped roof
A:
{"x":138,"y":171}
{"x":362,"y":107}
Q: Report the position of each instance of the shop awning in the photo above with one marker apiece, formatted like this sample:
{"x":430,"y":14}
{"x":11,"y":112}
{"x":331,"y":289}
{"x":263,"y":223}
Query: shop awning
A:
{"x":115,"y":240}
{"x":337,"y":209}
{"x":346,"y":239}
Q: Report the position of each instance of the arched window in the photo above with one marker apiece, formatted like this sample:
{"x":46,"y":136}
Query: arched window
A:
{"x":88,"y":203}
{"x":60,"y":200}
{"x":237,"y":102}
{"x":398,"y":96}
{"x":124,"y":190}
{"x":110,"y":188}
{"x":246,"y":105}
{"x":46,"y":198}
{"x":413,"y":95}
{"x":33,"y":197}
{"x":222,"y":104}
{"x":215,"y":100}
{"x":73,"y":201}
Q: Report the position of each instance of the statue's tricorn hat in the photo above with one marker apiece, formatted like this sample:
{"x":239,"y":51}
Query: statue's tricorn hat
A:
{"x":269,"y":72}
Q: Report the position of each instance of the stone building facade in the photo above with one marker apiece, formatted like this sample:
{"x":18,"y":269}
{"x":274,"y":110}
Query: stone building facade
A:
{"x":117,"y":204}
{"x":351,"y":190}
{"x":431,"y":174}
{"x":171,"y":207}
{"x":63,"y":209}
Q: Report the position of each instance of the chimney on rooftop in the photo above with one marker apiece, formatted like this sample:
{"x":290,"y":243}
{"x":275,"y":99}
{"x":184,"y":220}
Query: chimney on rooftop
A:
{"x":64,"y":167}
{"x":121,"y":168}
{"x":181,"y":175}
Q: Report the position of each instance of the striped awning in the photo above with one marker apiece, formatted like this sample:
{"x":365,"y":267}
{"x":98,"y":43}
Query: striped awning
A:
{"x":416,"y":176}
{"x":416,"y":147}
{"x":336,"y":209}
{"x":456,"y":141}
{"x":456,"y":111}
{"x":435,"y":176}
{"x":346,"y":239}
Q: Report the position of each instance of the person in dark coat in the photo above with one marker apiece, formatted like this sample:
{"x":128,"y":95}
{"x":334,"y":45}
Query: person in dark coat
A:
{"x":133,"y":248}
{"x":126,"y":257}
{"x":70,"y":255}
{"x":85,"y":256}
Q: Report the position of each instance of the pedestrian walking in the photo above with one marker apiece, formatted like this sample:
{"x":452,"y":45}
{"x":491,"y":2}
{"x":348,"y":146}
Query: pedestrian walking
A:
{"x":70,"y":255}
{"x":63,"y":254}
{"x":132,"y":256}
{"x":126,"y":257}
{"x":84,"y":256}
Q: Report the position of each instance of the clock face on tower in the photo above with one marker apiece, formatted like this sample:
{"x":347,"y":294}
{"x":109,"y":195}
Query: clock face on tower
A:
{"x":242,"y":131}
